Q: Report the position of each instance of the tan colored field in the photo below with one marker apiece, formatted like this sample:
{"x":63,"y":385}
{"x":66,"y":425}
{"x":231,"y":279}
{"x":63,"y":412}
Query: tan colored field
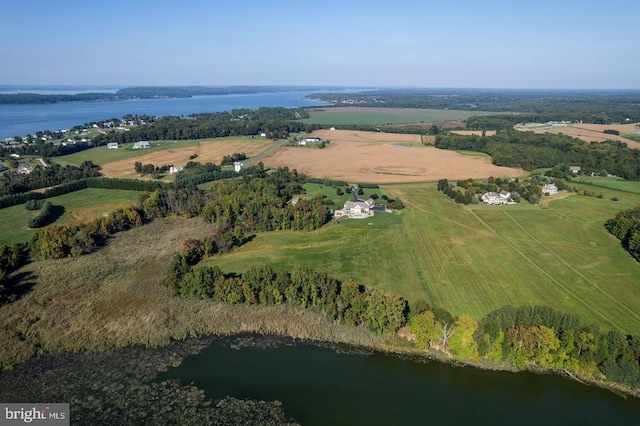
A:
{"x":474,"y":132}
{"x":589,"y":132}
{"x":356,"y":156}
{"x":86,"y":214}
{"x":207,"y":151}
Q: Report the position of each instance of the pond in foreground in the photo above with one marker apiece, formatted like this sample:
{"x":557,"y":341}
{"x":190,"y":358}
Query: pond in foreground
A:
{"x":318,"y":386}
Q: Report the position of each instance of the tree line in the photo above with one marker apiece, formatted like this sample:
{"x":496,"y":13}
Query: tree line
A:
{"x":77,"y":185}
{"x":344,"y":301}
{"x":276,"y":123}
{"x":530,"y":151}
{"x":625,"y":226}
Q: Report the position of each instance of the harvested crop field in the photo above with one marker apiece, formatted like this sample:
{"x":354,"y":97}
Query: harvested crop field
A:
{"x":587,"y":132}
{"x":207,"y":151}
{"x":356,"y":156}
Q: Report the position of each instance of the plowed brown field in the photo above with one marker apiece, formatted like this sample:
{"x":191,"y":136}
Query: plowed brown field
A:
{"x":207,"y":151}
{"x":356,"y":156}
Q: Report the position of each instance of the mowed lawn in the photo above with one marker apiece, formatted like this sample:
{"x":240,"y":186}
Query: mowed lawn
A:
{"x":472,"y":260}
{"x":372,"y":116}
{"x":612,"y":183}
{"x":79,"y":206}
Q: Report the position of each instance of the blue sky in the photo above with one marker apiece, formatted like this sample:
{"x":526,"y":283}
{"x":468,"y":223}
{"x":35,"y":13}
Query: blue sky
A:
{"x":457,"y":43}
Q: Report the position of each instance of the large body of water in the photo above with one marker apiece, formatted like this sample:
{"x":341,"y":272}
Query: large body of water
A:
{"x":318,"y":386}
{"x":20,"y":120}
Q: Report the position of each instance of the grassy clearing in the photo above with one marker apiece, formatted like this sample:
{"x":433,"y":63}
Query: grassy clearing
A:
{"x":380,"y":116}
{"x":79,"y":206}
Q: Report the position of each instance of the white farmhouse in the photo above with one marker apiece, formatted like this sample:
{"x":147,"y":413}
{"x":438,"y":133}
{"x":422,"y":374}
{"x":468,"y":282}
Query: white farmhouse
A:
{"x":495,"y":198}
{"x":237,"y":166}
{"x":550,"y":189}
{"x":141,"y":145}
{"x":175,"y":169}
{"x":356,"y":209}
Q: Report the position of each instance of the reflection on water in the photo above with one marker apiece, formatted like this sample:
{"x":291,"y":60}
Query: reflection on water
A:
{"x":318,"y":386}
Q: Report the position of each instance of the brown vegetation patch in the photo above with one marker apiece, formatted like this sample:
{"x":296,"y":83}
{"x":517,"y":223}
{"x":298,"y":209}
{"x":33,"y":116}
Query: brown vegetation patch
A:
{"x":592,"y":132}
{"x":87,"y":214}
{"x":356,"y":156}
{"x":207,"y":151}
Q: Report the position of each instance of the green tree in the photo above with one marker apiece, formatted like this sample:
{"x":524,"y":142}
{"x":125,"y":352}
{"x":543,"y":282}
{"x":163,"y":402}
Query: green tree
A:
{"x":426,"y":329}
{"x":462,"y":342}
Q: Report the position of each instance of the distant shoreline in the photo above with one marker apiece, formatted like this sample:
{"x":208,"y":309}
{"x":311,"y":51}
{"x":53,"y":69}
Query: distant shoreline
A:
{"x":30,"y":96}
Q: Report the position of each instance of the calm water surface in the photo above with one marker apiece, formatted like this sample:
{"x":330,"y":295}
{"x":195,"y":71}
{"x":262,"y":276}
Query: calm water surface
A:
{"x":20,"y":120}
{"x":318,"y":386}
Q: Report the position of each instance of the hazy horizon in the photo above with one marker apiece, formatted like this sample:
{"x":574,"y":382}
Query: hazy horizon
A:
{"x":496,"y":44}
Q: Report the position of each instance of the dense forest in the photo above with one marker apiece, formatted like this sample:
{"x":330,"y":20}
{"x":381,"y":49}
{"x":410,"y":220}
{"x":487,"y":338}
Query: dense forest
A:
{"x":531,"y":151}
{"x":590,"y":106}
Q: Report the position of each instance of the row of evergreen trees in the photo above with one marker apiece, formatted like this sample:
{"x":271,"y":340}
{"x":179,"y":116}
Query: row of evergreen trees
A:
{"x":77,"y":185}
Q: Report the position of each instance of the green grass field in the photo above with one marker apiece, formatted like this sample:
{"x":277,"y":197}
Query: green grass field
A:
{"x":471,"y":260}
{"x":632,"y":136}
{"x":608,"y":182}
{"x":380,"y":116}
{"x":103,"y":155}
{"x":79,"y":206}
